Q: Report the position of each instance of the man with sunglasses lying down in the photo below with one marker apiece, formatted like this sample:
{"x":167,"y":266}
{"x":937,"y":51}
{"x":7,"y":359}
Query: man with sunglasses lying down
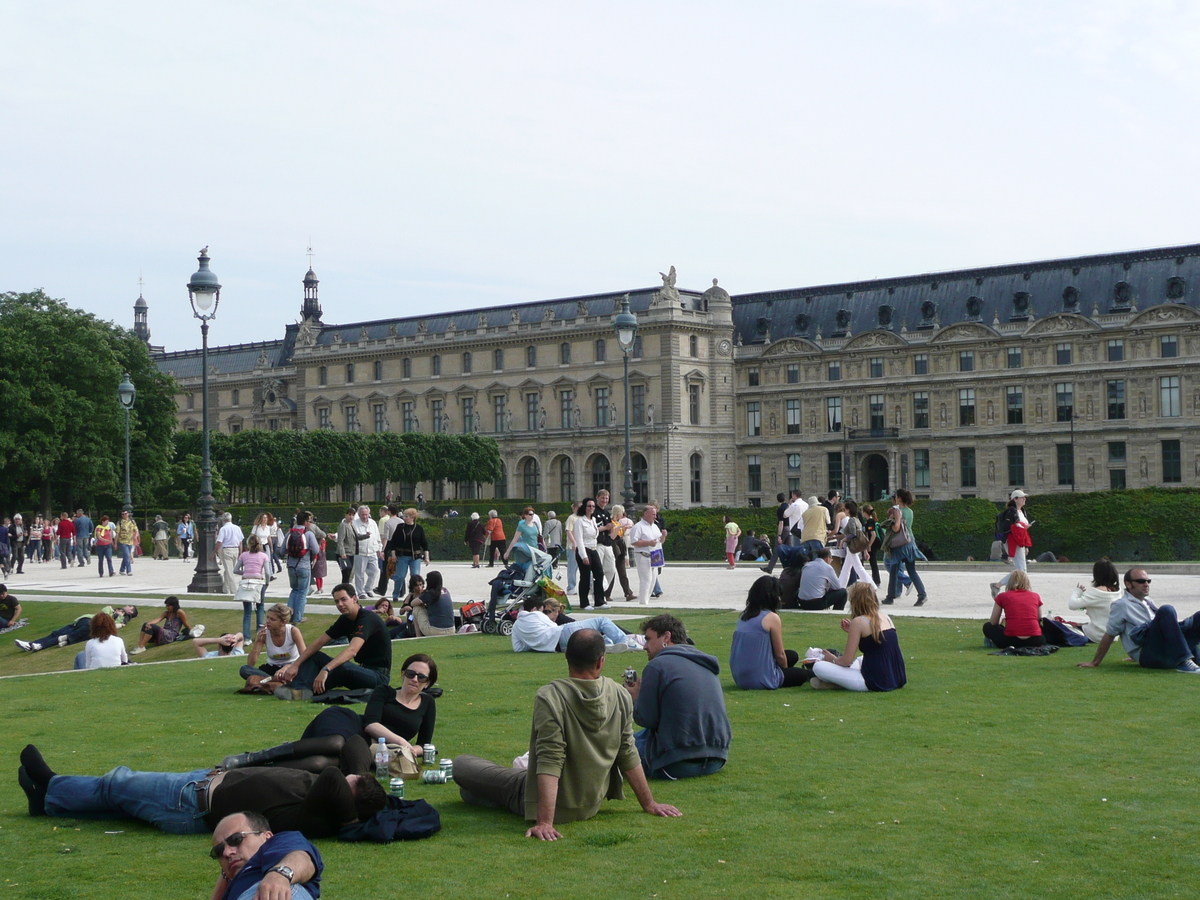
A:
{"x":257,"y":863}
{"x":318,"y":804}
{"x":1153,"y":636}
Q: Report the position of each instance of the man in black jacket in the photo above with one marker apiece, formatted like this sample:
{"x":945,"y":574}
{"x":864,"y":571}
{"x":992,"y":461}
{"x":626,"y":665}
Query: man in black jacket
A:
{"x":680,"y":704}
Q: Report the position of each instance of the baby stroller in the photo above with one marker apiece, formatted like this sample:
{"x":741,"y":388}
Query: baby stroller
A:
{"x":509,"y":592}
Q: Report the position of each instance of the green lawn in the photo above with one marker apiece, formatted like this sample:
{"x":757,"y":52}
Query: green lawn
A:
{"x":986,"y":776}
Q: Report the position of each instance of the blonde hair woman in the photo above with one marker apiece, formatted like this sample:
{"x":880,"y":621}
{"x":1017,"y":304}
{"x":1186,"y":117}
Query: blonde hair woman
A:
{"x":881,"y":667}
{"x":1020,"y":608}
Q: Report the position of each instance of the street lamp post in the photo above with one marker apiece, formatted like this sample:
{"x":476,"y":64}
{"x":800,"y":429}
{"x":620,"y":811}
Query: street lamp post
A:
{"x":126,"y":394}
{"x":626,"y":325}
{"x":204,"y":293}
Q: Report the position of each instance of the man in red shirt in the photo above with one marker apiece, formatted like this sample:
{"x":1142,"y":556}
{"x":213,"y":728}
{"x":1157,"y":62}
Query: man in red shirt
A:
{"x":66,"y":538}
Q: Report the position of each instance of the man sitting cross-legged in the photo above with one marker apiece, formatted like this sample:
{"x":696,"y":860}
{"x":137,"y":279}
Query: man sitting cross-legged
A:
{"x":581,"y":743}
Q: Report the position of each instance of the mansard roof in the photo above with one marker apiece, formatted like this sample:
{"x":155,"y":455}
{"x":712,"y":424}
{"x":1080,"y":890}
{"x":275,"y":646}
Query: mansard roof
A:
{"x":1088,"y":285}
{"x":229,"y":360}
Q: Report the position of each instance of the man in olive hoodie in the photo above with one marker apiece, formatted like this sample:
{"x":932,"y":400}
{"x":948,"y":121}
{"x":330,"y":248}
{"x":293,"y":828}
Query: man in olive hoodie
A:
{"x":581,"y":743}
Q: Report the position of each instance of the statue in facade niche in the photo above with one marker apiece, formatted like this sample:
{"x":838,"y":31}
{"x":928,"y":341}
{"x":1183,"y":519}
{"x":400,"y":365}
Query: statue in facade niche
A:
{"x":1091,"y":469}
{"x":515,"y":317}
{"x":577,"y":417}
{"x":612,"y":413}
{"x":542,"y":418}
{"x":650,"y":416}
{"x":508,"y":420}
{"x":991,"y":470}
{"x":262,"y":361}
{"x":477,"y":423}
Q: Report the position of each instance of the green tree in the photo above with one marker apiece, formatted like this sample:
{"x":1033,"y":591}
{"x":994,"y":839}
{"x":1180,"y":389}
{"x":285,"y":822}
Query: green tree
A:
{"x":62,"y":434}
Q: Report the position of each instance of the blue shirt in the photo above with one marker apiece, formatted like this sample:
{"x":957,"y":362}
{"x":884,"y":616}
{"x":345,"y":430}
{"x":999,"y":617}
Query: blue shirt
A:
{"x":271,"y":854}
{"x":84,"y":527}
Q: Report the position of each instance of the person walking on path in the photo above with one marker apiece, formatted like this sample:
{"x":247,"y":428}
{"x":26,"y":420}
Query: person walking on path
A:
{"x":902,"y":550}
{"x":1015,"y":528}
{"x":127,"y":539}
{"x":495,"y":536}
{"x":185,"y":531}
{"x":160,"y":533}
{"x":732,"y":534}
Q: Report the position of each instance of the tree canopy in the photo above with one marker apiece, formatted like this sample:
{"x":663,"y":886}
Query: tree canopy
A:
{"x":62,"y":432}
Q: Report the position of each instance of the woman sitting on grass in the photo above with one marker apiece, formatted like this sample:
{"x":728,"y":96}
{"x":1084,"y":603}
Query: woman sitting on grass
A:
{"x":1020,"y":608}
{"x":881,"y":667}
{"x":167,"y":628}
{"x":282,"y":642}
{"x":105,"y":650}
{"x":433,"y":611}
{"x":757,"y":659}
{"x":405,"y":717}
{"x":1097,"y":599}
{"x":396,"y":626}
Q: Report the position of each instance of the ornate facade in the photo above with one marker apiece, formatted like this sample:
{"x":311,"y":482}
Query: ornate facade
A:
{"x":1075,"y":374}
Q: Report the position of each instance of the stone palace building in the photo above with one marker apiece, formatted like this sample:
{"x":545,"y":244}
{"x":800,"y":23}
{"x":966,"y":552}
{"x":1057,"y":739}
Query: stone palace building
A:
{"x":1070,"y":374}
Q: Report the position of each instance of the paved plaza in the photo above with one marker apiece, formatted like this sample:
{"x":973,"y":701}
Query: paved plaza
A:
{"x":955,"y":590}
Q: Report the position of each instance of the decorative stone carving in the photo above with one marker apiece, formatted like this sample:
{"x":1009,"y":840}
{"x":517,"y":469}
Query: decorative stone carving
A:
{"x":393,"y":330}
{"x":337,"y":337}
{"x":991,"y":471}
{"x":1041,"y":472}
{"x":945,"y":475}
{"x":612,"y":414}
{"x":422,"y":326}
{"x":854,"y":417}
{"x":306,"y":335}
{"x":1059,"y":323}
{"x":668,"y":292}
{"x":1091,"y":470}
{"x":514,"y":317}
{"x":786,"y":347}
{"x":364,"y":335}
{"x":942,"y":415}
{"x":451,"y":328}
{"x":1166,"y":313}
{"x":963,"y":331}
{"x":581,"y":309}
{"x":549,"y":314}
{"x":869,"y":339}
{"x":262,"y":362}
{"x":650,"y":415}
{"x":577,"y":417}
{"x":542,"y":418}
{"x":1144,"y":469}
{"x":482,"y":320}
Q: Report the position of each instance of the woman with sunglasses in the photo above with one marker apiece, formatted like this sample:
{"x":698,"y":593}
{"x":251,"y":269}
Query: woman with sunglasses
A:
{"x":591,"y":571}
{"x":406,"y":716}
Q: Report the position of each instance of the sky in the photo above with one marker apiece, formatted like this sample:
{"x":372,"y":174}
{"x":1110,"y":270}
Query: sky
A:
{"x":439,"y":156}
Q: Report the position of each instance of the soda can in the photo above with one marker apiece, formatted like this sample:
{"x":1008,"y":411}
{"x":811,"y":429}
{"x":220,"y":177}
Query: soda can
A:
{"x":434,"y":776}
{"x":447,"y":766}
{"x":430,"y":754}
{"x":396,"y":788}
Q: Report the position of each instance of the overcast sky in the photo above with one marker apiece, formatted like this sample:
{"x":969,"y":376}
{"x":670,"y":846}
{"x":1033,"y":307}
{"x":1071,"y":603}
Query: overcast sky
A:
{"x":453,"y":155}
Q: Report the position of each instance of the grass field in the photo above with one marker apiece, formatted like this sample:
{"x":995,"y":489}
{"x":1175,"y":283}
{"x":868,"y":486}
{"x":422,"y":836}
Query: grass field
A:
{"x":986,"y":776}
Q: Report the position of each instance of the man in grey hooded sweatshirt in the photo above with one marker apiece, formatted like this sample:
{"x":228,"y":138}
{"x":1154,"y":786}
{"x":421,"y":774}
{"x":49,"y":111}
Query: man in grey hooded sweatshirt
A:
{"x":680,"y":705}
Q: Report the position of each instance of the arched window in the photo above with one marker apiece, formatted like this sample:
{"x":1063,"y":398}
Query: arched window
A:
{"x":435,"y":365}
{"x":641,"y":479}
{"x":531,"y":474}
{"x":566,"y":479}
{"x":467,"y":363}
{"x":322,"y":376}
{"x":694,"y":476}
{"x":378,"y":370}
{"x":498,"y":359}
{"x":564,"y":353}
{"x":601,"y":350}
{"x":693,"y":346}
{"x":601,"y":474}
{"x":406,"y":368}
{"x":500,"y":485}
{"x":531,"y":357}
{"x":349,"y":373}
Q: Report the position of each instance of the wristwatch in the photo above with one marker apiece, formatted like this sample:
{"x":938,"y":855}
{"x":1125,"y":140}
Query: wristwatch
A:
{"x":285,"y":871}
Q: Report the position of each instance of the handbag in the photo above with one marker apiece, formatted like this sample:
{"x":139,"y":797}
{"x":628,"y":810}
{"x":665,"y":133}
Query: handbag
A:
{"x":657,"y":560}
{"x":402,"y":763}
{"x":894,"y":540}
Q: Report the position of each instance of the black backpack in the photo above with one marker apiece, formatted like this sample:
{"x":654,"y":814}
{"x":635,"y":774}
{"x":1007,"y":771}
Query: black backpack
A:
{"x":297,"y":546}
{"x":1002,"y":526}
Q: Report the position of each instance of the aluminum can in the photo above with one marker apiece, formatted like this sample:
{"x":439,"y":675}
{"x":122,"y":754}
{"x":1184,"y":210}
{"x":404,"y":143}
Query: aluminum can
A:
{"x":396,"y":788}
{"x":434,"y":776}
{"x":430,"y":754}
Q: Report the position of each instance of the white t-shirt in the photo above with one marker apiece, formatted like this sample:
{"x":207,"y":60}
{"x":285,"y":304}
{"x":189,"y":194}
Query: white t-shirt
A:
{"x":795,"y":513}
{"x":230,"y":536}
{"x":104,"y":654}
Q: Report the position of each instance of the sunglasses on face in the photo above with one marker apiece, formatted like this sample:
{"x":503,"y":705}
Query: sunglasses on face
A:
{"x":416,"y":676}
{"x":234,"y":840}
{"x":1140,"y":580}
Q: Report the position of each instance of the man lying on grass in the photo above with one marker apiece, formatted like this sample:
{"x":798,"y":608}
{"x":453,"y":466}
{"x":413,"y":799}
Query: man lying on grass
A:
{"x":582,"y":742}
{"x":319,"y":805}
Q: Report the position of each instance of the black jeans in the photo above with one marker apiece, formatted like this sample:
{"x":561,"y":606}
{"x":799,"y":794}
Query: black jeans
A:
{"x":347,"y":675}
{"x":591,"y":576}
{"x":995,"y":634}
{"x":833,"y":599}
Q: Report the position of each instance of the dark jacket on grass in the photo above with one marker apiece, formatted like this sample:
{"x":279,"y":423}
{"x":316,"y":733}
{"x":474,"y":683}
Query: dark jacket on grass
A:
{"x":682,"y":707}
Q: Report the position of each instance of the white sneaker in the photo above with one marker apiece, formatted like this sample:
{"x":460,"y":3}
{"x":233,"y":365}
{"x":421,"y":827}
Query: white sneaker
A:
{"x":198,"y":631}
{"x":136,"y":650}
{"x":62,"y":640}
{"x":617,"y":648}
{"x":24,"y":645}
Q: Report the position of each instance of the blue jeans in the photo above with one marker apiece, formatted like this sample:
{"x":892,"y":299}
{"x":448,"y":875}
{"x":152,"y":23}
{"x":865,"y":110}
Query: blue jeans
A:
{"x":684,"y":768}
{"x":102,"y":553}
{"x":258,"y":617}
{"x":348,"y":675}
{"x":126,"y":558}
{"x":405,"y":566}
{"x":299,"y":577}
{"x":603,"y":624}
{"x":811,"y":548}
{"x":1167,"y":642}
{"x":164,"y":799}
{"x":894,"y":575}
{"x":82,"y":549}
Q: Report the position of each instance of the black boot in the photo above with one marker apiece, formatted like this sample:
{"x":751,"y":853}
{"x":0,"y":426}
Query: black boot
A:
{"x":35,"y":767}
{"x":258,"y":757}
{"x":36,"y":793}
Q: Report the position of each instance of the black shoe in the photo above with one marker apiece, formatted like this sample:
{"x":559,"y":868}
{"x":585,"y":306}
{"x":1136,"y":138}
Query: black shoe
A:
{"x":766,"y":569}
{"x":36,"y":793}
{"x":920,"y":601}
{"x":35,"y":766}
{"x":886,"y":602}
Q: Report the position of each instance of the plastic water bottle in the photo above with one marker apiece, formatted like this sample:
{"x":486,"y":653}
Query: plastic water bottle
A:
{"x":382,"y":757}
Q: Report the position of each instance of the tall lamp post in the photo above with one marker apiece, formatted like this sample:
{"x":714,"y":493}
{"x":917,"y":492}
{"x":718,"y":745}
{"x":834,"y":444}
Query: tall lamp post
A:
{"x":204,"y":293}
{"x":126,"y":394}
{"x":626,"y":325}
